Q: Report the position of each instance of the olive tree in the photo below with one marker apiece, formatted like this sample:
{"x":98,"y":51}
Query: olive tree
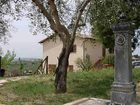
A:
{"x":63,"y":21}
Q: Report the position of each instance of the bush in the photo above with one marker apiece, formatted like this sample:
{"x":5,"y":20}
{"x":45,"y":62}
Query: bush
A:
{"x":84,"y":64}
{"x":13,"y":73}
{"x":109,"y":59}
{"x":7,"y":59}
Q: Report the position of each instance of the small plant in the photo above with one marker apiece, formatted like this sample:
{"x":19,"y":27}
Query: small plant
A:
{"x":84,"y":64}
{"x":109,"y":59}
{"x":21,"y":66}
{"x":7,"y":59}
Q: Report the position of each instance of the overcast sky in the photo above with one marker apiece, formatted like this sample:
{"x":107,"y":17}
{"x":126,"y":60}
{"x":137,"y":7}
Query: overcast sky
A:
{"x":23,"y":42}
{"x":137,"y":51}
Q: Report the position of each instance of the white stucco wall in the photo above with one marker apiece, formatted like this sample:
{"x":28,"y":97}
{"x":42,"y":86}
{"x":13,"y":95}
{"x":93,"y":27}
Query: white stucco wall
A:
{"x":52,"y":49}
{"x":94,"y":50}
{"x":77,"y":54}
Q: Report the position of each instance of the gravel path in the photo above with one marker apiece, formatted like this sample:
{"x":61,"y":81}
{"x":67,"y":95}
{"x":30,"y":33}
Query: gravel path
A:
{"x":90,"y":101}
{"x":94,"y":102}
{"x":3,"y":81}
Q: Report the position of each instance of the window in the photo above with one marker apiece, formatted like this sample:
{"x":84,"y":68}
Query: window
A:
{"x":73,"y":48}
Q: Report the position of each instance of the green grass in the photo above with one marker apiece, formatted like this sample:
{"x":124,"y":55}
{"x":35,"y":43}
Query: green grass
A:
{"x":39,"y":90}
{"x":91,"y":84}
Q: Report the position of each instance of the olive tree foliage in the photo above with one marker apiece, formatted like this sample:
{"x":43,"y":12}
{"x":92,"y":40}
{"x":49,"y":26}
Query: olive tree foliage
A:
{"x":8,"y":12}
{"x":3,"y":21}
{"x":105,"y":13}
{"x":39,"y":23}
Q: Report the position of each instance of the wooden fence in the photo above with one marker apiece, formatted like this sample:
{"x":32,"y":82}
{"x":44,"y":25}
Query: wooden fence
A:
{"x":43,"y":67}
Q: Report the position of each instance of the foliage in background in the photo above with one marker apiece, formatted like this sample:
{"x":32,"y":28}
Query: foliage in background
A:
{"x":105,"y":13}
{"x":109,"y":59}
{"x":9,"y":11}
{"x":7,"y":59}
{"x":105,"y":35}
{"x":21,"y":65}
{"x":24,"y":67}
{"x":84,"y":64}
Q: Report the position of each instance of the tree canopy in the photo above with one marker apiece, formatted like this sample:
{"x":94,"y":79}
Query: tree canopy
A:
{"x":105,"y":13}
{"x":9,"y":11}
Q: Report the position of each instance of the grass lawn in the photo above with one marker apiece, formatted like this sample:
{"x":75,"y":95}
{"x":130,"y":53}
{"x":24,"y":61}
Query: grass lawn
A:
{"x":39,"y":90}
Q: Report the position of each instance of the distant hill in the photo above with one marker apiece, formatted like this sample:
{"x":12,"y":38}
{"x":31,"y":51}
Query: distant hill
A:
{"x":28,"y":59}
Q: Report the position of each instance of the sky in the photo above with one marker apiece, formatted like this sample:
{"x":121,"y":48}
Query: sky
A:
{"x":23,"y":42}
{"x":137,"y":51}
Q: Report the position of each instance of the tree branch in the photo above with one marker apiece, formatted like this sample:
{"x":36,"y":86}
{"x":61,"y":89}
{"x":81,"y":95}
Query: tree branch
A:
{"x":78,"y":17}
{"x":16,"y":1}
{"x":53,"y":18}
{"x":2,"y":3}
{"x":45,"y":13}
{"x":54,"y":13}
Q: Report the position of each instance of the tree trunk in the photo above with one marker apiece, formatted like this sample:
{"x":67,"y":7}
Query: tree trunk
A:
{"x":61,"y":71}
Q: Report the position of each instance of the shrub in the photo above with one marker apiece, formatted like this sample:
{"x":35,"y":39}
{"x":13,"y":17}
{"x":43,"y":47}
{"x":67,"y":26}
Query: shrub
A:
{"x":109,"y":59}
{"x":7,"y":59}
{"x":13,"y":73}
{"x":84,"y":64}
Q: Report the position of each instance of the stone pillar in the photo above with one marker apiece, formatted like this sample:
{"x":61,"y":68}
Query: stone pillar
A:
{"x":123,"y":88}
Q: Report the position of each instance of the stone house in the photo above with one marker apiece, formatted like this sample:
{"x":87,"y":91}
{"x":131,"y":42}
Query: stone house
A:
{"x":82,"y":47}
